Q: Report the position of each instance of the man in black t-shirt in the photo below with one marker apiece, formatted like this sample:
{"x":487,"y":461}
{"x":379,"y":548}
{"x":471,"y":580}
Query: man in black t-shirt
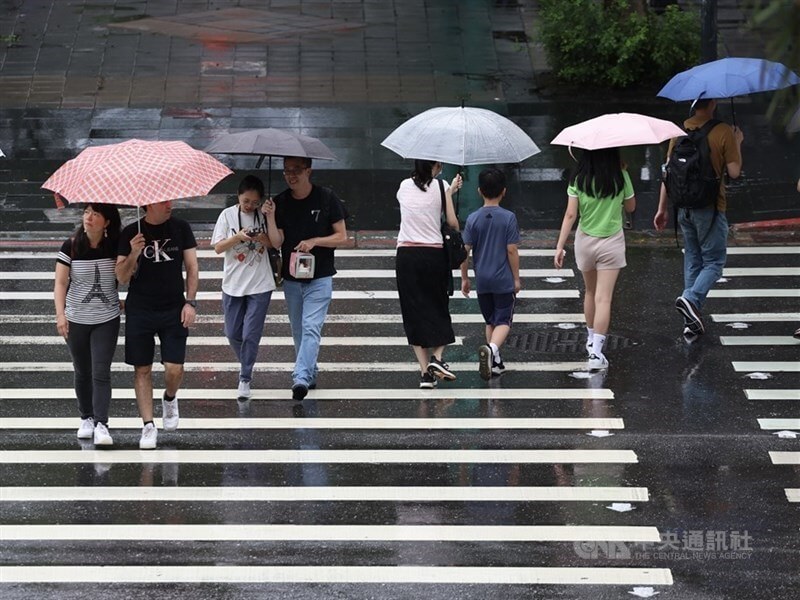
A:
{"x":152,"y":256}
{"x":306,"y":218}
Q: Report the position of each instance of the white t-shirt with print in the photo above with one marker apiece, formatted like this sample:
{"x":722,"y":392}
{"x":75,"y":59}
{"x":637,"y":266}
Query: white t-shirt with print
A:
{"x":246,"y":270}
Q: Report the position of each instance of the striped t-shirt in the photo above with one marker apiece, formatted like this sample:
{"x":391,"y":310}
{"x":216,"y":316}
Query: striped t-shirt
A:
{"x":92,"y":296}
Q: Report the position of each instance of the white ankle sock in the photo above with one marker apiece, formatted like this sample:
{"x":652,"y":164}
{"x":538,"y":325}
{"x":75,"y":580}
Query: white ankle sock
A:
{"x":495,"y":352}
{"x":589,"y":335}
{"x":597,"y":344}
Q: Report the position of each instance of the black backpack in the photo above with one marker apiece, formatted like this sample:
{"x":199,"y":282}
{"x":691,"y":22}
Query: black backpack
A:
{"x":690,"y":178}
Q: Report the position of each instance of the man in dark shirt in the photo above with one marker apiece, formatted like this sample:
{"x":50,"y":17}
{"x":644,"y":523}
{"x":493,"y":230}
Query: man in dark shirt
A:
{"x":152,"y":255}
{"x":310,"y":219}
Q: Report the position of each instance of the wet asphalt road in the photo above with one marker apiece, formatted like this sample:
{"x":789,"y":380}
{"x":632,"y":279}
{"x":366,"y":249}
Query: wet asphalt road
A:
{"x":691,"y":450}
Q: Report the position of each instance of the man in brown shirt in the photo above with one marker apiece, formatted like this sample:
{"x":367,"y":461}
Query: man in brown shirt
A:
{"x":705,"y":230}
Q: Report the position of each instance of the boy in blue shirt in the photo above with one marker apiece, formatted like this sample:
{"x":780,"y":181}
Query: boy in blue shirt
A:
{"x":492,"y":235}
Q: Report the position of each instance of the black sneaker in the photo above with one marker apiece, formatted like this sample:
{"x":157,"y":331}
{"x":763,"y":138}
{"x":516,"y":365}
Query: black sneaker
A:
{"x":299,"y":391}
{"x":485,"y":360}
{"x":427,"y":381}
{"x":498,"y":368}
{"x":692,"y":318}
{"x":440,"y":369}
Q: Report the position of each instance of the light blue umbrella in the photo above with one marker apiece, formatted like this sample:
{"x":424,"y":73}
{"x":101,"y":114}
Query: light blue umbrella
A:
{"x":727,"y":78}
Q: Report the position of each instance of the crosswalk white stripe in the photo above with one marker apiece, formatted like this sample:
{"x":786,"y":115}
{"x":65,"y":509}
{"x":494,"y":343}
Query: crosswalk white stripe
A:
{"x":758,"y":340}
{"x":340,"y":253}
{"x":785,"y":458}
{"x":286,"y":367}
{"x":337,"y":295}
{"x":779,"y":423}
{"x":755,"y":293}
{"x":336,"y":574}
{"x":757,"y":250}
{"x":374,"y":423}
{"x":772,"y":394}
{"x":480,"y":393}
{"x":367,"y":456}
{"x":199,"y":340}
{"x":761,"y":272}
{"x":351,"y":319}
{"x":769,"y":366}
{"x":415,"y":493}
{"x":754,"y":317}
{"x":340,"y":274}
{"x":792,"y":494}
{"x":251,"y":532}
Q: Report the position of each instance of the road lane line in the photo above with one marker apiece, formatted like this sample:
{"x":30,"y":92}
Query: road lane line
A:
{"x":757,"y":250}
{"x":325,"y":494}
{"x":481,"y":393}
{"x":340,"y":253}
{"x":779,"y":424}
{"x":199,"y":340}
{"x":785,"y":458}
{"x":255,"y":532}
{"x":792,"y":494}
{"x":754,"y":293}
{"x":50,"y":423}
{"x":772,"y":394}
{"x":749,"y":366}
{"x":753,"y":317}
{"x":360,"y":456}
{"x":761,"y":272}
{"x":758,"y":340}
{"x":286,"y":367}
{"x":93,"y":573}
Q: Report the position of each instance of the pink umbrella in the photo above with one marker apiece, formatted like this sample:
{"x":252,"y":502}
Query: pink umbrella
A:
{"x":136,"y":173}
{"x":617,"y":129}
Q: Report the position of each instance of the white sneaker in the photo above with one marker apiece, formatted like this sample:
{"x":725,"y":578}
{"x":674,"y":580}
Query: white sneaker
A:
{"x":598,"y":363}
{"x":243,"y":393}
{"x":101,"y":435}
{"x":86,"y":430}
{"x":149,"y":437}
{"x":169,"y":414}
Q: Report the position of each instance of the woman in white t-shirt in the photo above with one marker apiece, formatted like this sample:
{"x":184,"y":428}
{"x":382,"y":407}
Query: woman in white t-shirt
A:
{"x":422,"y":270}
{"x":247,"y":280}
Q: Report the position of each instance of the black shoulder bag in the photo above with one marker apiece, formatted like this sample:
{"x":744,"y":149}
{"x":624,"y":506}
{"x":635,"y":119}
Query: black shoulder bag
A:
{"x":453,"y":244}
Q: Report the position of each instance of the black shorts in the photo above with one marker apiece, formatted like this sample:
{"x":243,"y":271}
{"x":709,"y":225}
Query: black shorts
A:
{"x":141,"y":327}
{"x":497,"y":309}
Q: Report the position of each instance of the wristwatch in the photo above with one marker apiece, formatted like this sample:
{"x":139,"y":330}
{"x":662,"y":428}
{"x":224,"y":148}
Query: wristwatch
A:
{"x":192,"y":303}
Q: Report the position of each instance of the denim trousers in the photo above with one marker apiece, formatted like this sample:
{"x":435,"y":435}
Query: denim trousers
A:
{"x":92,"y":349}
{"x":307,"y":303}
{"x":705,"y":239}
{"x":244,"y":324}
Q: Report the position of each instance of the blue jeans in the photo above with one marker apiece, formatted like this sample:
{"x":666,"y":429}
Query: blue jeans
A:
{"x":244,"y":323}
{"x":307,"y":304}
{"x":705,"y":239}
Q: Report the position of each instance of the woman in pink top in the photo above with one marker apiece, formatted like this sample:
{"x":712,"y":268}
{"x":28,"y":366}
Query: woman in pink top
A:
{"x":422,"y":270}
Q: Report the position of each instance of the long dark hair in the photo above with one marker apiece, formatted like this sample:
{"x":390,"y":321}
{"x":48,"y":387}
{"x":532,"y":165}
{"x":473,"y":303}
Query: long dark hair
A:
{"x":599,"y":173}
{"x":110,"y":241}
{"x":422,"y":175}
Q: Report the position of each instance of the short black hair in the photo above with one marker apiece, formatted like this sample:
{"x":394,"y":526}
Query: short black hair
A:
{"x":491,"y":182}
{"x":306,"y":160}
{"x":702,"y":103}
{"x":251,"y":182}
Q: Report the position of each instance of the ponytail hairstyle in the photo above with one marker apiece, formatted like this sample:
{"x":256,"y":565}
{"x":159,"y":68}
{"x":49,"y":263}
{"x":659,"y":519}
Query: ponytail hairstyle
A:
{"x":599,"y":173}
{"x":110,"y":241}
{"x":422,"y":175}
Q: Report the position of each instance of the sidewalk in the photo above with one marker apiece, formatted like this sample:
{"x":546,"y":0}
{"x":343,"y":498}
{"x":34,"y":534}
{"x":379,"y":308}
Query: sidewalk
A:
{"x":347,"y":72}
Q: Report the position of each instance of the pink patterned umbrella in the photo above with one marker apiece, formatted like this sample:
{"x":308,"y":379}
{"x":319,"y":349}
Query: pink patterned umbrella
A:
{"x":616,"y":130}
{"x":136,"y":173}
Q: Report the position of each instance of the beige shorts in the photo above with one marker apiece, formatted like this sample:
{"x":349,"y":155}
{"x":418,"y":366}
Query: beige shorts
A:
{"x":596,"y":253}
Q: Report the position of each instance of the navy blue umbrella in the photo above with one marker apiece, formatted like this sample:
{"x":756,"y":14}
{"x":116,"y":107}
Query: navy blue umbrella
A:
{"x":727,"y":78}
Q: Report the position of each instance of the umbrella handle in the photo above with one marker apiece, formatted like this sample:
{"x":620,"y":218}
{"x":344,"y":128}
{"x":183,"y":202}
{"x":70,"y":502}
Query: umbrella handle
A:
{"x":733,"y":113}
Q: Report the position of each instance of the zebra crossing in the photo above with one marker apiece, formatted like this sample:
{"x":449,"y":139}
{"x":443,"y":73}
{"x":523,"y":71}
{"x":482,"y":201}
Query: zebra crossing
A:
{"x":782,"y":386}
{"x":386,"y":467}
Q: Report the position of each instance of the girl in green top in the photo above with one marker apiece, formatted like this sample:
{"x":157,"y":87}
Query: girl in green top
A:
{"x":598,"y":190}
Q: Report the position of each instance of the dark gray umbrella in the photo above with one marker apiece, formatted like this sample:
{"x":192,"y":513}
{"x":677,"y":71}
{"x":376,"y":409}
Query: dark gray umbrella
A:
{"x":266,"y":143}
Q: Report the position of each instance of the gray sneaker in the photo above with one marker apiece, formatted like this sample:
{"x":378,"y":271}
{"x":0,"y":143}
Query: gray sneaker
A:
{"x":169,"y":414}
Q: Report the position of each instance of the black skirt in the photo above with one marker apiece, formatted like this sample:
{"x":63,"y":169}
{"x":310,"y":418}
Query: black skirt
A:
{"x":422,"y":278}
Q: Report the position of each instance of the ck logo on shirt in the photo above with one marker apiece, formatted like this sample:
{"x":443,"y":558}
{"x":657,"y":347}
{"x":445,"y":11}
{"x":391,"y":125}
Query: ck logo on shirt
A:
{"x":157,"y":251}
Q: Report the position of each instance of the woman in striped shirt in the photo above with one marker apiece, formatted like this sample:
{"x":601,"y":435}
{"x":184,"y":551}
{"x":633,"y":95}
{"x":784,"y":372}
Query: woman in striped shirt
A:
{"x":87,"y":313}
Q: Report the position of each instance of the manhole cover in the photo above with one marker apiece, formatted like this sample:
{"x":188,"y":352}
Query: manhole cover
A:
{"x":564,"y":342}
